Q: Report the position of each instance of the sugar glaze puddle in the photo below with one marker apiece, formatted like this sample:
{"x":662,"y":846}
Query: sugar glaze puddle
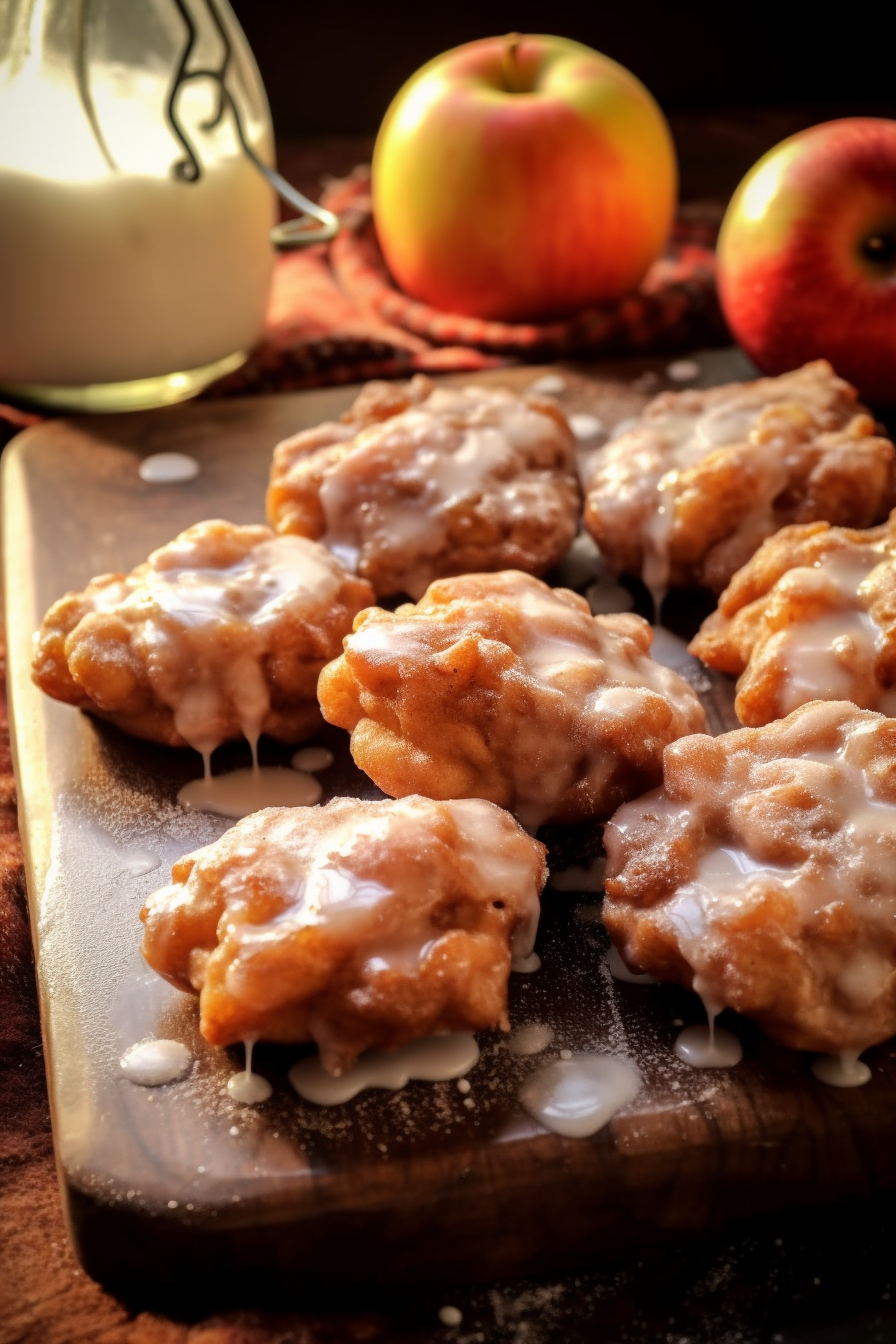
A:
{"x":577,"y":1097}
{"x":248,"y":1087}
{"x":153,"y":1063}
{"x":843,"y":1070}
{"x":312,"y":759}
{"x":434,"y":1059}
{"x":168,"y":468}
{"x":709,"y":1046}
{"x":241,"y":792}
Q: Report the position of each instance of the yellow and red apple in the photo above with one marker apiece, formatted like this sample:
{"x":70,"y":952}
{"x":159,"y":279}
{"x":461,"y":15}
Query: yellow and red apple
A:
{"x":521,"y":178}
{"x":807,"y":255}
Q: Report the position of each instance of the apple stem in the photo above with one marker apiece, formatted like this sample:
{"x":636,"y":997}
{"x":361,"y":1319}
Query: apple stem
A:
{"x":509,"y":67}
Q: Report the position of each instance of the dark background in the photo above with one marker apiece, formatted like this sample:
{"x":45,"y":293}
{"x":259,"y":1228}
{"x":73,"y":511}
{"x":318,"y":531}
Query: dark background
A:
{"x":333,"y":68}
{"x":733,"y":80}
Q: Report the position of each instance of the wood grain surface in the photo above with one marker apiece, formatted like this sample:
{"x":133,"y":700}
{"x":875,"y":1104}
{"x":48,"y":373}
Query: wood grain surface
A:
{"x":231,"y":1204}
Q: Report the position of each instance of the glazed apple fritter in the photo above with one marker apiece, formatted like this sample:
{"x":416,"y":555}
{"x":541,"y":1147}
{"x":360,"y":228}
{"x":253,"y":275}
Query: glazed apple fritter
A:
{"x":354,"y":925}
{"x":417,"y":482}
{"x":811,"y":617}
{"x":763,"y":874}
{"x":220,"y":633}
{"x":686,"y":496}
{"x":497,"y":686}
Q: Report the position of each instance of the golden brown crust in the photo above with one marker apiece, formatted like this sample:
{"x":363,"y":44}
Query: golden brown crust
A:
{"x":497,"y":686}
{"x":811,"y":616}
{"x":736,"y":463}
{"x":765,"y":869}
{"x":354,"y":925}
{"x":418,"y":482}
{"x":129,"y":648}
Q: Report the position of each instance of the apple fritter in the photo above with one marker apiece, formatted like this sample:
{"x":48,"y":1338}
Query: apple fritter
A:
{"x":220,"y":633}
{"x":763,"y":874}
{"x":355,"y":925}
{"x":811,"y":617}
{"x":497,"y":686}
{"x":417,"y":482}
{"x":686,"y":496}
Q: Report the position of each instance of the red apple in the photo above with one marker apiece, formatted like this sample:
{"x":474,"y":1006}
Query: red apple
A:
{"x":807,"y":255}
{"x":522,"y":178}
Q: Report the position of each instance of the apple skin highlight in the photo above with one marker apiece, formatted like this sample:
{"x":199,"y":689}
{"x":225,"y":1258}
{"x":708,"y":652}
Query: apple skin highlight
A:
{"x":799,"y":278}
{"x":525,"y":202}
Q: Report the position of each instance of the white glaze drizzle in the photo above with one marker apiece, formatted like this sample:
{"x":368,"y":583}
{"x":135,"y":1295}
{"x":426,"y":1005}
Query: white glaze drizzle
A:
{"x":619,"y":971}
{"x":603,"y":675}
{"x":434,"y":1059}
{"x":247,"y":1087}
{"x":327,"y":871}
{"x":564,"y":650}
{"x":721,"y":869}
{"x":657,"y":532}
{"x":168,"y":468}
{"x":664,"y":445}
{"x":708,"y":1047}
{"x":725,"y":871}
{"x":153,"y":1063}
{"x":688,"y":439}
{"x":241,"y":792}
{"x":525,"y":965}
{"x":578,"y":1096}
{"x":816,"y":654}
{"x":438,"y":453}
{"x":181,"y":600}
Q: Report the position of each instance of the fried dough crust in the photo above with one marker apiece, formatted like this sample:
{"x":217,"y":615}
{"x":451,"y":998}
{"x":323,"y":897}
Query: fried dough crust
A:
{"x":811,"y":616}
{"x":686,"y":496}
{"x":221,"y":632}
{"x":763,"y":874}
{"x":417,"y":482}
{"x":354,"y":925}
{"x":497,"y":686}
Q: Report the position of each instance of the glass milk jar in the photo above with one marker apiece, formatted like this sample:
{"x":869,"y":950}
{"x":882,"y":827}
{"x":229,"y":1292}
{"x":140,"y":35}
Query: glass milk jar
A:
{"x":135,"y":259}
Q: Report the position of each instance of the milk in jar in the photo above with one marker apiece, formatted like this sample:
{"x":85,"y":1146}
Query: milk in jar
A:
{"x":114,"y":268}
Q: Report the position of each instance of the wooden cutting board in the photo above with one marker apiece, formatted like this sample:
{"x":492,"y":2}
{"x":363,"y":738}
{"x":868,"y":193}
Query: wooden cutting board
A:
{"x":179,"y":1195}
